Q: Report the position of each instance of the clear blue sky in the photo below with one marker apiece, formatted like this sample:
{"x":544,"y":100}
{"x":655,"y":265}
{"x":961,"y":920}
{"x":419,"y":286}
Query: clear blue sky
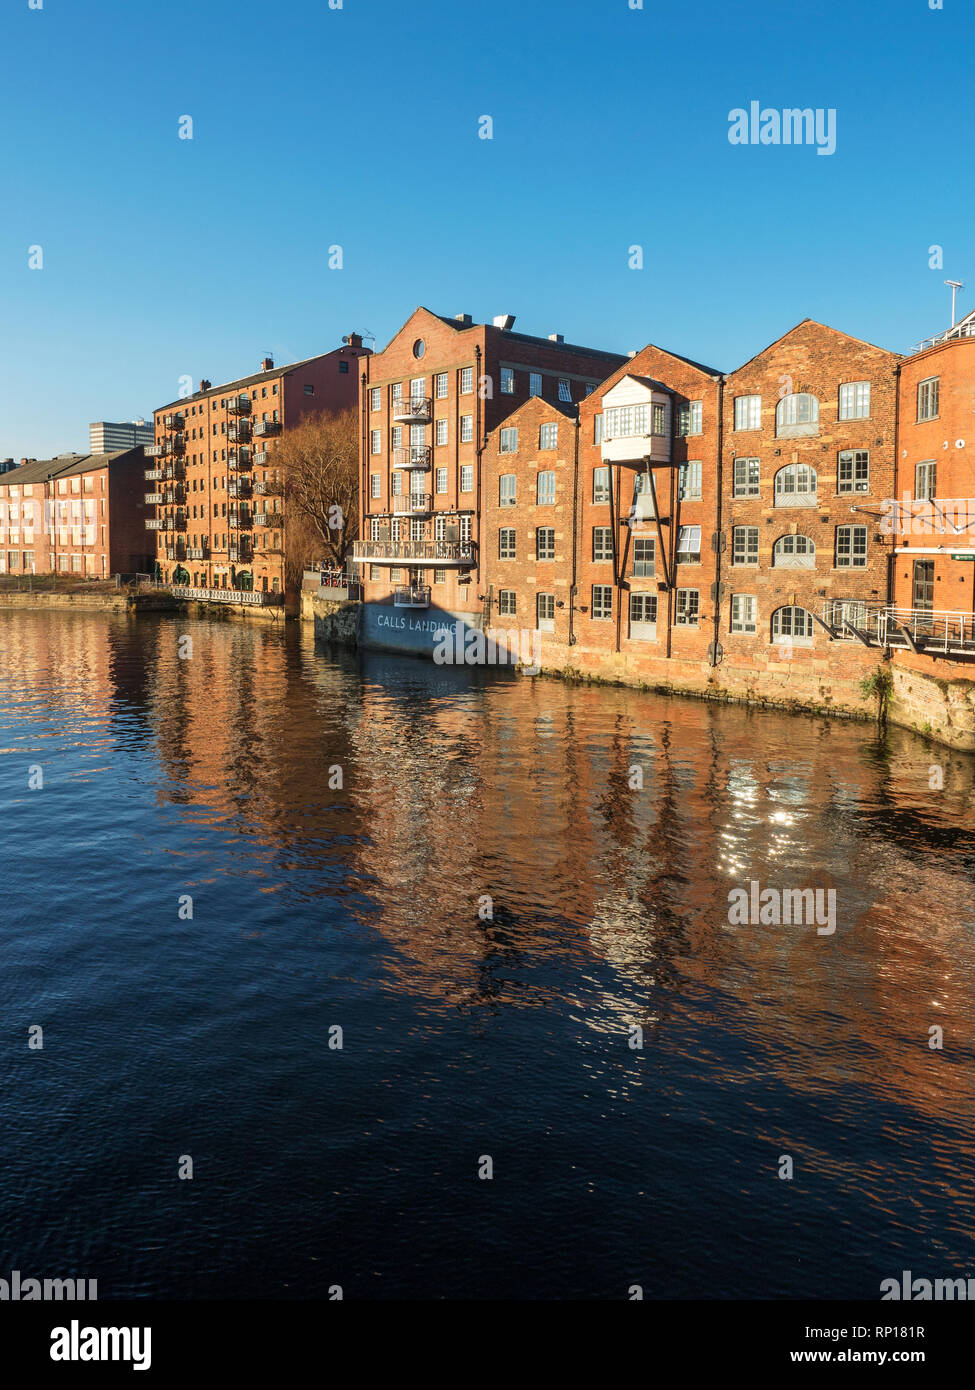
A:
{"x":358,"y":127}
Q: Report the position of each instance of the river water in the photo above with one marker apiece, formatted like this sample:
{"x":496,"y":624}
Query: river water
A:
{"x":457,"y":876}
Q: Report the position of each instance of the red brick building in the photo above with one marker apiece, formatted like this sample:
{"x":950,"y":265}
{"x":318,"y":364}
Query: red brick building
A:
{"x":218,"y":496}
{"x":80,"y":514}
{"x":431,"y":401}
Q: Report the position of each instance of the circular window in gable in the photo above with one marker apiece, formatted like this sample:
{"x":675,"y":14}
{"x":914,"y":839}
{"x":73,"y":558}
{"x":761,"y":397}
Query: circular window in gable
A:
{"x":419,"y":348}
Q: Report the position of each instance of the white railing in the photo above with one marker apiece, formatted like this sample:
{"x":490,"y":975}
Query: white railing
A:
{"x":428,"y":552}
{"x":255,"y":597}
{"x":415,"y":408}
{"x":413,"y":502}
{"x":961,"y":330}
{"x":930,"y":630}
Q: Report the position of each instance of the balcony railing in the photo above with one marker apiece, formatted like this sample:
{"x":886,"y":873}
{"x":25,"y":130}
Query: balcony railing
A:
{"x":960,"y":330}
{"x":413,"y":503}
{"x":174,"y":470}
{"x":154,"y":475}
{"x":261,"y":457}
{"x":935,"y":632}
{"x":239,"y":487}
{"x":411,"y":596}
{"x":179,"y":522}
{"x":174,"y":421}
{"x":239,"y":432}
{"x":175,"y":495}
{"x":157,"y":451}
{"x":437,"y":553}
{"x":198,"y":552}
{"x":175,"y":552}
{"x":261,"y":518}
{"x":241,"y":519}
{"x":238,"y":553}
{"x":153,"y":498}
{"x":267,"y":427}
{"x":254,"y":597}
{"x":419,"y":457}
{"x":157,"y":523}
{"x":239,"y":458}
{"x":413,"y":410}
{"x":239,"y":405}
{"x":268,"y":489}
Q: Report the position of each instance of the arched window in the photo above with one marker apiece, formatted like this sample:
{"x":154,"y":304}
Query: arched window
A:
{"x":794,"y":552}
{"x":793,"y":625}
{"x":797,"y":415}
{"x":795,"y":486}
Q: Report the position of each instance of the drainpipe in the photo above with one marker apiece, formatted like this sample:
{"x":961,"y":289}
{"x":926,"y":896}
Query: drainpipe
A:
{"x":479,"y":455}
{"x":717,"y":525}
{"x":576,"y":526}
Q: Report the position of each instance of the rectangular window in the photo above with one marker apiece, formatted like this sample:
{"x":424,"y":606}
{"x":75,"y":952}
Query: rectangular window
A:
{"x":689,"y":476}
{"x":851,"y":547}
{"x":418,"y":529}
{"x":855,"y":400}
{"x":396,"y":393}
{"x":376,"y":398}
{"x":309,"y":389}
{"x":927,"y":399}
{"x":746,"y":476}
{"x":597,"y":429}
{"x":600,"y":484}
{"x":689,"y":546}
{"x":689,"y":416}
{"x":508,"y":489}
{"x":396,"y":437}
{"x":441,"y":432}
{"x":744,"y":545}
{"x":602,"y":602}
{"x":507,"y":381}
{"x":507,"y":605}
{"x":418,"y":388}
{"x":688,"y":608}
{"x":926,"y":480}
{"x":439,"y":576}
{"x":375,"y":571}
{"x":441,"y":386}
{"x":375,"y":482}
{"x":534,"y":383}
{"x":546,"y":489}
{"x":441,"y":480}
{"x":743,"y":613}
{"x":397,"y":484}
{"x":467,"y":477}
{"x":545,"y":612}
{"x":748,"y":412}
{"x":644,"y":558}
{"x":509,"y":441}
{"x":466,"y":429}
{"x":643,"y":617}
{"x":853,"y":471}
{"x":660,"y":419}
{"x":565,"y":389}
{"x":602,"y":543}
{"x":376,"y":441}
{"x":548,"y":437}
{"x":466,"y":380}
{"x":545,"y":543}
{"x":507,"y":543}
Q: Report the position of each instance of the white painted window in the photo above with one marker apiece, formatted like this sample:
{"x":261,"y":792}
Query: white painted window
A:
{"x":851,"y":547}
{"x":853,"y":471}
{"x":602,"y":602}
{"x":748,"y":412}
{"x":376,"y":441}
{"x":689,"y":476}
{"x":376,"y":484}
{"x":855,"y":400}
{"x":467,"y":477}
{"x":376,"y":398}
{"x":687,"y":610}
{"x":744,"y":545}
{"x":548,"y":436}
{"x":441,"y":432}
{"x":466,"y":429}
{"x":466,"y":380}
{"x":927,"y":398}
{"x":744,"y":613}
{"x":442,"y":386}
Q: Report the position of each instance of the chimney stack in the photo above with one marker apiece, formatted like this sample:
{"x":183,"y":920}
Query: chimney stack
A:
{"x":353,"y":340}
{"x":556,"y":338}
{"x":464,"y":320}
{"x":204,"y":384}
{"x":268,"y":364}
{"x":504,"y":321}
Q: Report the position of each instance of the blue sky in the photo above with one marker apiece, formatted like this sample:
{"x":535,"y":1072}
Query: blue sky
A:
{"x":358,"y":127}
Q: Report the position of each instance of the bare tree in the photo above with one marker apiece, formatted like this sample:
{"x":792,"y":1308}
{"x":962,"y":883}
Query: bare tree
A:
{"x":319,"y":462}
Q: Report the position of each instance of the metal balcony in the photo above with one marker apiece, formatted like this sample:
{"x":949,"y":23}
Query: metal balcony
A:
{"x":413,"y":504}
{"x":157,"y":451}
{"x":928,"y":632}
{"x":239,"y":405}
{"x":153,"y":475}
{"x":267,"y":427}
{"x":153,"y":499}
{"x":239,"y":431}
{"x":243,"y":521}
{"x":411,"y":596}
{"x":419,"y":457}
{"x":198,"y":552}
{"x":179,"y":522}
{"x":156,"y":523}
{"x":239,"y":487}
{"x":174,"y":421}
{"x":443,"y":554}
{"x":175,"y":495}
{"x":174,"y":471}
{"x":413,"y":410}
{"x":175,"y":552}
{"x":261,"y":456}
{"x":261,"y":518}
{"x":268,"y":489}
{"x":239,"y":458}
{"x":238,"y":553}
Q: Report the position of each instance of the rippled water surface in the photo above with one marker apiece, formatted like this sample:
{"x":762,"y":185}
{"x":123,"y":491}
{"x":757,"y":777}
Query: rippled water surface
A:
{"x":338,"y":821}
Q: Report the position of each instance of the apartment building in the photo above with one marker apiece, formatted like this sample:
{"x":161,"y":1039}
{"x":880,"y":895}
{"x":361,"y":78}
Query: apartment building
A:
{"x":218,"y":495}
{"x":430,"y":401}
{"x":78,"y":514}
